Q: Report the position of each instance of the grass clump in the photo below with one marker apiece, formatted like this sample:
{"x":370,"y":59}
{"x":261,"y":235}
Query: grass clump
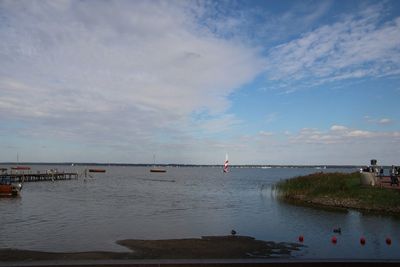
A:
{"x":320,"y":184}
{"x":339,"y":190}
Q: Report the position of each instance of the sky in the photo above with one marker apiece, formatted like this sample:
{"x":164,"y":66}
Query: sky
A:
{"x":266,"y":82}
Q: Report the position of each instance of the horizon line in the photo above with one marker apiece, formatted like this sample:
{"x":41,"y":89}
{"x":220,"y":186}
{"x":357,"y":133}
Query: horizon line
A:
{"x":180,"y":164}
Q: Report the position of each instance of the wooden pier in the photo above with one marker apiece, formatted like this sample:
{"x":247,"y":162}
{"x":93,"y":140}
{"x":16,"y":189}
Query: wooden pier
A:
{"x":39,"y":177}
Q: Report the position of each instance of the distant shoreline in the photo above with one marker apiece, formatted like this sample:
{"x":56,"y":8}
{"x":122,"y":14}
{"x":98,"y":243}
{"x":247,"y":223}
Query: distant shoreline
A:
{"x":317,"y":167}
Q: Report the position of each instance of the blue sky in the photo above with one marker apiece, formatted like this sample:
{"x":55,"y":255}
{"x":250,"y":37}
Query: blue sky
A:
{"x":268,"y":82}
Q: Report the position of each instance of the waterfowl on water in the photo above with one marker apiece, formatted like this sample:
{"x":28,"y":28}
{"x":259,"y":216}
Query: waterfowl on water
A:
{"x":337,"y":230}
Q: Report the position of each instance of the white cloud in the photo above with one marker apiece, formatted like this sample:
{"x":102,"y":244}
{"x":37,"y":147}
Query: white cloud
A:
{"x":257,"y":25}
{"x":357,"y":46}
{"x":132,"y":75}
{"x":265,"y":134}
{"x":385,"y":121}
{"x":218,"y":124}
{"x":338,"y":128}
{"x":116,"y":71}
{"x":382,"y":121}
{"x":359,"y":133}
{"x":339,"y":134}
{"x":338,"y":145}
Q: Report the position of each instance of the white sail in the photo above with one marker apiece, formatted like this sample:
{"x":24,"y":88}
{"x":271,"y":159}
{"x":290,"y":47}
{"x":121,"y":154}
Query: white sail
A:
{"x":226,"y":163}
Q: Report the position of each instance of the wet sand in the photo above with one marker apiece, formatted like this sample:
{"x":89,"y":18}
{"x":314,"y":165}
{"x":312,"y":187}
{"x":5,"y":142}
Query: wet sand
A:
{"x":213,"y":247}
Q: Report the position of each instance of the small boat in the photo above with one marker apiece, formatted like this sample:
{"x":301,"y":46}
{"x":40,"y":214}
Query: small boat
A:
{"x":156,"y":169}
{"x":9,"y":189}
{"x":21,"y":168}
{"x":97,"y":170}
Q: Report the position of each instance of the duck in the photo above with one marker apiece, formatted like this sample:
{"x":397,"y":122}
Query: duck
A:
{"x":337,"y":230}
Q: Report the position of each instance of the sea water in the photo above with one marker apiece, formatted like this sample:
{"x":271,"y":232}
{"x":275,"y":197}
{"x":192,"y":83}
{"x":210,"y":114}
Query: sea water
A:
{"x":185,"y":202}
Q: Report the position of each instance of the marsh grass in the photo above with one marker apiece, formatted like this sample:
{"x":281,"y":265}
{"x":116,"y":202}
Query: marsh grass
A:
{"x":339,"y":188}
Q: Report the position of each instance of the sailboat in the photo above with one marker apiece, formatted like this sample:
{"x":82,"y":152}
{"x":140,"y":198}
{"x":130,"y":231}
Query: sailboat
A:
{"x":156,"y":169}
{"x":225,"y":169}
{"x":18,"y":167}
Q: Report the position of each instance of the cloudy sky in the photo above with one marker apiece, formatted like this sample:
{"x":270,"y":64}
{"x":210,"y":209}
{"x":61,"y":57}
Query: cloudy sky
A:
{"x":268,"y":82}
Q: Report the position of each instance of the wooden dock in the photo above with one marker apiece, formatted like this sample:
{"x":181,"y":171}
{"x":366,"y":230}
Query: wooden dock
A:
{"x":39,"y":177}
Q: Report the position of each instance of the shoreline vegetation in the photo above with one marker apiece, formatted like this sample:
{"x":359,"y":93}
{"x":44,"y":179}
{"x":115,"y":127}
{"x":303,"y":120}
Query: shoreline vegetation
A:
{"x":207,"y":247}
{"x":340,"y":191}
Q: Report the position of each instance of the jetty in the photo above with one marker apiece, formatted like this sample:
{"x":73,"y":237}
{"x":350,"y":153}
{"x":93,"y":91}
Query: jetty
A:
{"x":39,"y":177}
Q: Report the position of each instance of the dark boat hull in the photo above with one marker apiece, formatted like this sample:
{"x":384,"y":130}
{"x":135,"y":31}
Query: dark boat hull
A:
{"x":158,"y":170}
{"x":97,"y":170}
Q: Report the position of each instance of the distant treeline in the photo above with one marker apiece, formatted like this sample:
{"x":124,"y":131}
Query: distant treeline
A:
{"x":183,"y":165}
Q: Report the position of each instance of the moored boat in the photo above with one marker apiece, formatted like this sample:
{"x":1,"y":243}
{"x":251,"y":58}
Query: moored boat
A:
{"x":8,"y":188}
{"x":157,"y":170}
{"x":97,"y":170}
{"x":21,"y":168}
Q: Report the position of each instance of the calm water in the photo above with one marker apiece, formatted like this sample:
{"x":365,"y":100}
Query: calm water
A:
{"x":131,"y":202}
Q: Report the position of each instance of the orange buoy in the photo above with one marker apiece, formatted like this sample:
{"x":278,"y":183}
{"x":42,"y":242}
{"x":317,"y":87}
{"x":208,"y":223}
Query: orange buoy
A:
{"x":388,"y":241}
{"x":362,"y":241}
{"x":301,"y":238}
{"x":334,"y":240}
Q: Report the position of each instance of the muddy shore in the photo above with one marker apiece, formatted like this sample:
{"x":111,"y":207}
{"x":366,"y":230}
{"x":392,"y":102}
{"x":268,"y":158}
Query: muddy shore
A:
{"x":327,"y":202}
{"x":213,"y":247}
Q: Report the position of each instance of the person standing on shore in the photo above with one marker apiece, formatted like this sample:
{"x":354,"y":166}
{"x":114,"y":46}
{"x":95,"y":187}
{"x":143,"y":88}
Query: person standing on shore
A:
{"x":393,"y":177}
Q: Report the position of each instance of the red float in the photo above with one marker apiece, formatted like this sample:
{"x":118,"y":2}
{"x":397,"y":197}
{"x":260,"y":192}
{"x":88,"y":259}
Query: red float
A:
{"x":388,"y":241}
{"x":301,"y":238}
{"x":362,"y":241}
{"x":334,"y":240}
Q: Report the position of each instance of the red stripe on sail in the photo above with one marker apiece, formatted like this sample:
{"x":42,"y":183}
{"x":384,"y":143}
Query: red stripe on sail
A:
{"x":226,"y":166}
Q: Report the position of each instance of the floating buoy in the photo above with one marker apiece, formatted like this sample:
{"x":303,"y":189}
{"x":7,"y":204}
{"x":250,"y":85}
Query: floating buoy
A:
{"x":334,"y":240}
{"x":233,"y":232}
{"x":301,"y":238}
{"x":362,"y":241}
{"x":388,"y":241}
